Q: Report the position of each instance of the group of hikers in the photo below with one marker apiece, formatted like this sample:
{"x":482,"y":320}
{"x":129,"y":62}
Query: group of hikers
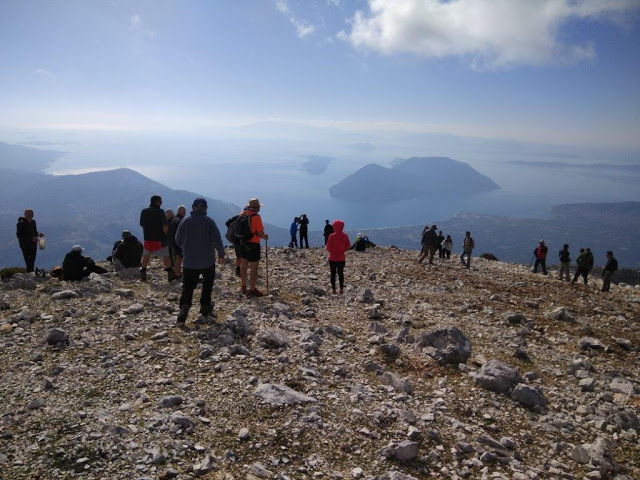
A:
{"x":187,"y":246}
{"x":433,"y":242}
{"x":584,"y":264}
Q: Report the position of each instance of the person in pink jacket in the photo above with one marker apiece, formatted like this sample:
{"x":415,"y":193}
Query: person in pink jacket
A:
{"x":337,"y":245}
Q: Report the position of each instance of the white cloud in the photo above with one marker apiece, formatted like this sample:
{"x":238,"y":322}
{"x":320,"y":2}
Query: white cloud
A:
{"x":489,"y":33}
{"x":302,"y":28}
{"x":45,"y":73}
{"x":137,"y":25}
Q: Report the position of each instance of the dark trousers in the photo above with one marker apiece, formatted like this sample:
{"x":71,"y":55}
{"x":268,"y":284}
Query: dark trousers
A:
{"x":446,"y":253}
{"x":606,"y":280}
{"x":29,"y":253}
{"x":580,"y":271}
{"x":190,"y":278}
{"x":326,"y":239}
{"x":440,"y":252}
{"x":336,"y":267}
{"x":541,"y":262}
{"x":304,"y":238}
{"x":294,"y":240}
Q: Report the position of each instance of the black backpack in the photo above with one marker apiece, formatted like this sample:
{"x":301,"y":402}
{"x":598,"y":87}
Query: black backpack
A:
{"x":229,"y":234}
{"x":241,"y":229}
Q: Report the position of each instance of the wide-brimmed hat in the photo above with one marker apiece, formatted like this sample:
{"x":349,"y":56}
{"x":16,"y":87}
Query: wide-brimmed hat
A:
{"x":254,"y":203}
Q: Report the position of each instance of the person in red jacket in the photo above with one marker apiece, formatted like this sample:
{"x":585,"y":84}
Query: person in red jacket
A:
{"x":337,"y":245}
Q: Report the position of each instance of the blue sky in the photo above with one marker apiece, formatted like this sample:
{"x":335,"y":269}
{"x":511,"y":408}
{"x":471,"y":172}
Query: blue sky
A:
{"x":564,"y":72}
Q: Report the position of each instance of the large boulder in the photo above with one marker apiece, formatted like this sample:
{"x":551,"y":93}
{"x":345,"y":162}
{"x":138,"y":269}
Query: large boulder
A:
{"x":498,"y":377}
{"x":446,"y":345}
{"x":277,"y":395}
{"x":529,"y":396}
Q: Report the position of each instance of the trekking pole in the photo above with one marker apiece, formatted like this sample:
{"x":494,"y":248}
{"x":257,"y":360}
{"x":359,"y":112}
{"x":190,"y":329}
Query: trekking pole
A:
{"x":266,"y":261}
{"x":531,"y":262}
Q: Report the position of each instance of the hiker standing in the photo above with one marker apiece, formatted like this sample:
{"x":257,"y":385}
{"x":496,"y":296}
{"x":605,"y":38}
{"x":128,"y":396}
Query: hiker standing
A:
{"x":565,"y":262}
{"x":234,"y":240}
{"x":429,"y":244}
{"x":75,"y":266}
{"x":440,"y":240}
{"x":447,"y":247}
{"x":304,"y":227}
{"x":293,"y":231}
{"x":337,"y":245}
{"x":468,"y":244}
{"x":581,"y":267}
{"x":127,"y":252}
{"x":181,"y":211}
{"x":250,"y":249}
{"x":198,"y":236}
{"x":28,"y":236}
{"x":328,"y":230}
{"x":154,"y":227}
{"x":588,"y":263}
{"x":540,"y":254}
{"x":609,"y":270}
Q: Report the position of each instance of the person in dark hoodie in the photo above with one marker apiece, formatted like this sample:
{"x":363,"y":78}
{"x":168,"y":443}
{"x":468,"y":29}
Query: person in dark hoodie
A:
{"x":429,"y":244}
{"x":154,"y":225}
{"x":75,"y":267}
{"x":198,"y":236}
{"x":181,"y":211}
{"x":293,"y":231}
{"x":609,"y":269}
{"x":127,"y":252}
{"x":328,"y":230}
{"x":304,"y":229}
{"x":337,"y":245}
{"x":362,"y":243}
{"x":565,"y":262}
{"x":28,"y":236}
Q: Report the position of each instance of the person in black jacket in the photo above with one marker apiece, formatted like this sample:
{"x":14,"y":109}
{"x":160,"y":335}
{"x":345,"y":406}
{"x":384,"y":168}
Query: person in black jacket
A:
{"x":155,"y":226}
{"x":304,"y":227}
{"x":127,"y":252}
{"x":27,"y":233}
{"x":540,"y":254}
{"x":328,"y":230}
{"x":181,"y":211}
{"x":75,"y":267}
{"x":565,"y":262}
{"x":609,"y":269}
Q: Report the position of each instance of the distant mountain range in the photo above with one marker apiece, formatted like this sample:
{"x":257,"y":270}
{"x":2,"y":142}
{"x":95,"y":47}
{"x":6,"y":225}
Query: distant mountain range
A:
{"x":412,"y":178}
{"x":90,"y":209}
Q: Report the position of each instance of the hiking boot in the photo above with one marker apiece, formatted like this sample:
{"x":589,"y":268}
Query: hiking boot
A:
{"x":171,"y":276}
{"x":143,"y":274}
{"x":184,"y":313}
{"x":206,"y":310}
{"x":237,"y":271}
{"x":255,"y":293}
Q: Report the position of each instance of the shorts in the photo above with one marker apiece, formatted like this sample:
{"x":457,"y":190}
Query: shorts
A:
{"x":250,"y":251}
{"x":237,"y":249}
{"x":163,"y":252}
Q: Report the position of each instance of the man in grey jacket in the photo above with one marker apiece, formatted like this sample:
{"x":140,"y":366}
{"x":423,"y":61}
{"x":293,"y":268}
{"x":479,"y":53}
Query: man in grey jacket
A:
{"x":198,"y":236}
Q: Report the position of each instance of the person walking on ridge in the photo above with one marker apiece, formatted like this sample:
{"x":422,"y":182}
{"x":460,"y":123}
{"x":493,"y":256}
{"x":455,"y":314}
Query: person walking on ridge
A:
{"x":198,"y":236}
{"x":154,"y":226}
{"x":250,"y":250}
{"x":293,"y":231}
{"x":181,"y":211}
{"x":468,"y":244}
{"x":328,"y":230}
{"x":28,"y":236}
{"x":304,"y":227}
{"x":447,"y":247}
{"x":609,"y":269}
{"x":337,"y":246}
{"x":581,"y":267}
{"x":565,"y":262}
{"x":429,"y":244}
{"x":440,"y":240}
{"x":540,"y":254}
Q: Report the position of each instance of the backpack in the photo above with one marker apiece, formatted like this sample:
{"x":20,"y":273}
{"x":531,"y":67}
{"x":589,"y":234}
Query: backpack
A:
{"x":564,"y":256}
{"x":241,"y":229}
{"x":229,"y":234}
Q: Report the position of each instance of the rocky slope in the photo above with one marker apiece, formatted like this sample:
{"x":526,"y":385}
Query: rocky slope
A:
{"x":416,"y":371}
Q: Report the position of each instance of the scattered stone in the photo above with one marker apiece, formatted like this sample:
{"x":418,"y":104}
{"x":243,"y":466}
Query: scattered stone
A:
{"x":407,"y":450}
{"x":272,"y":340}
{"x":397,"y":383}
{"x":275,"y":394}
{"x":587,"y":384}
{"x":390,"y":350}
{"x":449,"y":346}
{"x":171,"y":401}
{"x":621,"y":385}
{"x":514,"y":318}
{"x":529,"y":396}
{"x":590,"y":343}
{"x":65,"y":294}
{"x":56,"y":337}
{"x":498,"y":377}
{"x":562,"y":314}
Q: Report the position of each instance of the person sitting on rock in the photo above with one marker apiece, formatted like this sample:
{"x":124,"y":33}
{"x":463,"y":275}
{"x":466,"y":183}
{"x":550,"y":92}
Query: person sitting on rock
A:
{"x":362,"y":243}
{"x":75,"y":267}
{"x":127,"y":252}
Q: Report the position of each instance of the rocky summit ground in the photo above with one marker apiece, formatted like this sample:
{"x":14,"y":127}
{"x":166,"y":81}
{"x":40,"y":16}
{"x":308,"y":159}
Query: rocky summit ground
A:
{"x":417,"y":371}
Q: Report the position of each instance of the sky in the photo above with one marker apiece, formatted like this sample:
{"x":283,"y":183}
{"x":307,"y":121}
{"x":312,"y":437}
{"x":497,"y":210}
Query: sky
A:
{"x":559,"y":72}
